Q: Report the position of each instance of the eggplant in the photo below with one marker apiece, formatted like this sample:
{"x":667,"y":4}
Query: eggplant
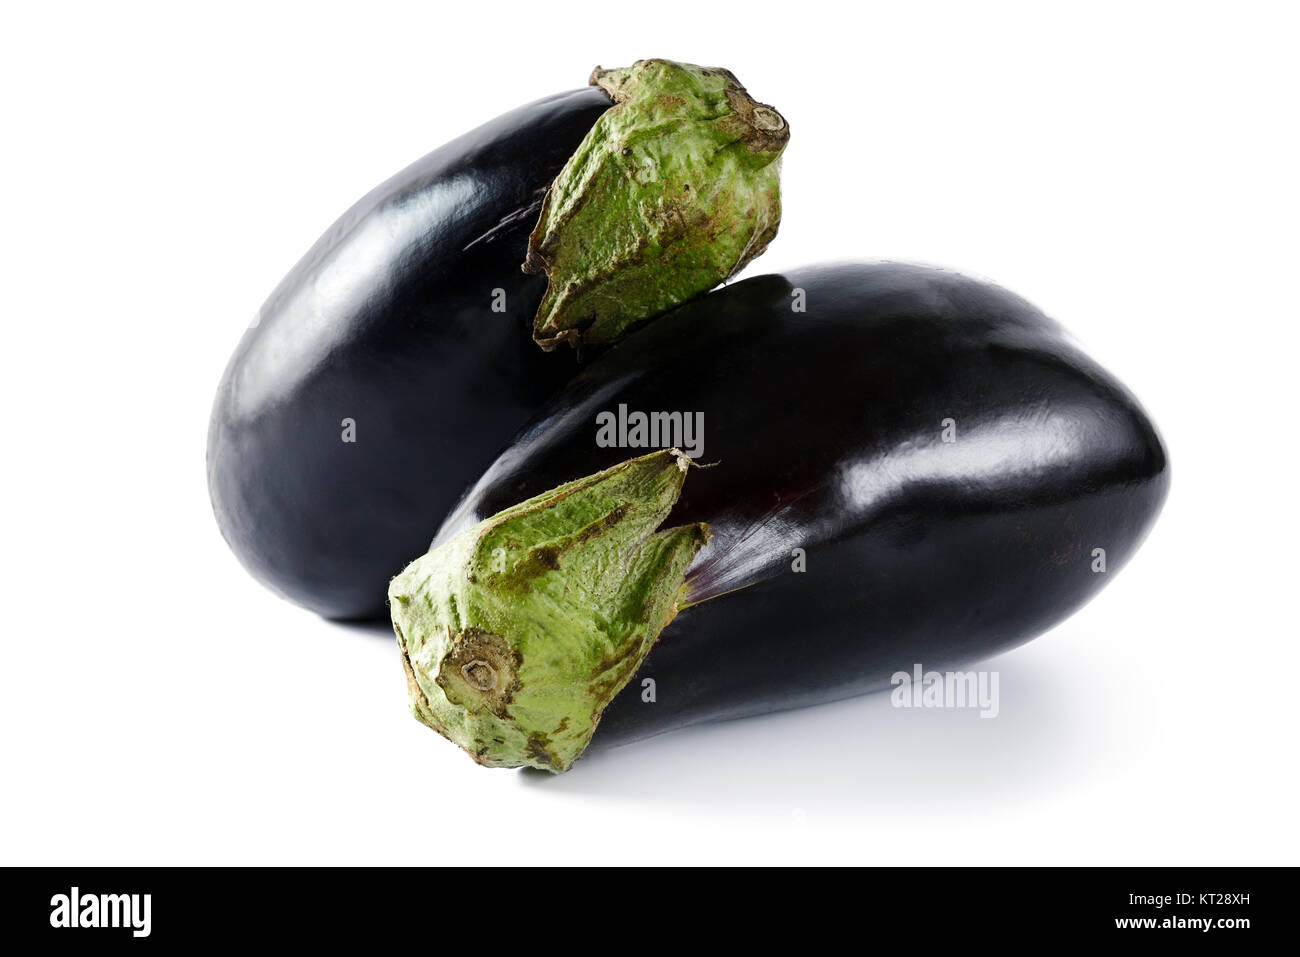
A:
{"x":378,"y":379}
{"x":905,"y":466}
{"x":397,"y":357}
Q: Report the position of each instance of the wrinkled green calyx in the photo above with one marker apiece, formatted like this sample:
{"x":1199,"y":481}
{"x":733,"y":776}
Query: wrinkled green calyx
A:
{"x":676,"y":188}
{"x":518,"y":632}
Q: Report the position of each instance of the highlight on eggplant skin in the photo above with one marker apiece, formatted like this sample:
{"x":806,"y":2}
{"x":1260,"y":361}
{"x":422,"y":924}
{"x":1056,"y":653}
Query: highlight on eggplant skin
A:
{"x":947,"y":461}
{"x":390,"y":365}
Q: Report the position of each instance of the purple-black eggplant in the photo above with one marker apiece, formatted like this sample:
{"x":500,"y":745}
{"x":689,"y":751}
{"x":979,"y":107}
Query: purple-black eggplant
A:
{"x":397,"y":357}
{"x":905,"y":466}
{"x":378,"y":379}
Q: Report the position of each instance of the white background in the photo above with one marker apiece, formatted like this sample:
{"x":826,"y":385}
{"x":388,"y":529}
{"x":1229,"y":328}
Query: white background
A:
{"x":1132,"y":168}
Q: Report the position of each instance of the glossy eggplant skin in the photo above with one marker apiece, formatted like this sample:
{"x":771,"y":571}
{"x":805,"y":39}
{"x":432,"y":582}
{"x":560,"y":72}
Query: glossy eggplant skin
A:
{"x":392,"y":321}
{"x":828,"y":431}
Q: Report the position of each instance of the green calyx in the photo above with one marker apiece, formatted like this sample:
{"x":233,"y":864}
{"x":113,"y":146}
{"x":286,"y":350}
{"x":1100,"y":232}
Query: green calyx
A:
{"x":676,"y":188}
{"x":517,"y":633}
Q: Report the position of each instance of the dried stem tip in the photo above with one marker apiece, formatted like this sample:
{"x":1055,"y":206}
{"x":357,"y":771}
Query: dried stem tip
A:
{"x":518,"y":632}
{"x":676,"y":188}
